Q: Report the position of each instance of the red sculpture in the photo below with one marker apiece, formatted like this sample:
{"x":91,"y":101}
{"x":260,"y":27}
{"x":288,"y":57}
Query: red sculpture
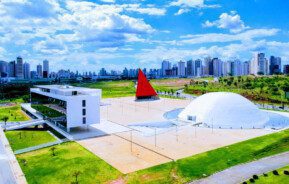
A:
{"x":144,"y":88}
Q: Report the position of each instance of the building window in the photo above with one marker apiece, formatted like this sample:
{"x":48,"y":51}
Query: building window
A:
{"x":84,"y":120}
{"x":83,"y":103}
{"x":83,"y":112}
{"x":74,"y":93}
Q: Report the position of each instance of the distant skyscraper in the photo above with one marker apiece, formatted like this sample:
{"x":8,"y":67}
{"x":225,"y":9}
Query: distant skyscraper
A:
{"x":26,"y":70}
{"x":190,"y":68}
{"x":39,"y":70}
{"x":12,"y":69}
{"x":259,"y":64}
{"x":19,"y":68}
{"x":181,"y":68}
{"x":274,"y":65}
{"x":246,"y":68}
{"x":198,"y":68}
{"x":45,"y":68}
{"x":217,"y":67}
{"x":3,"y":69}
{"x":166,"y":65}
{"x":206,"y":65}
{"x":286,"y":69}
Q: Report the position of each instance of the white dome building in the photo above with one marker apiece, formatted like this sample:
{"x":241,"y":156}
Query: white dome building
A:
{"x":224,"y":110}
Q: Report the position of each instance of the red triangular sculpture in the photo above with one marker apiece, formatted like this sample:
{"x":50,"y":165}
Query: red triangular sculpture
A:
{"x":144,"y":88}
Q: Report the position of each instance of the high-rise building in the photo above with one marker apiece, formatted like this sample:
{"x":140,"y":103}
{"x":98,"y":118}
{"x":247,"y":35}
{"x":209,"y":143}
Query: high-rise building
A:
{"x":3,"y":69}
{"x":236,"y":68}
{"x":274,"y":65}
{"x":259,"y":64}
{"x":26,"y":70}
{"x":286,"y":69}
{"x":166,"y":65}
{"x":198,"y":68}
{"x":181,"y":68}
{"x":206,"y":65}
{"x":12,"y":69}
{"x":102,"y":72}
{"x":39,"y":70}
{"x":246,"y":68}
{"x":190,"y":68}
{"x":217,"y":67}
{"x":19,"y":68}
{"x":45,"y":68}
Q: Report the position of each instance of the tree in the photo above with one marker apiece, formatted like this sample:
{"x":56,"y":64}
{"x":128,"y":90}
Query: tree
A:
{"x":53,"y":151}
{"x":76,"y":174}
{"x":5,"y":119}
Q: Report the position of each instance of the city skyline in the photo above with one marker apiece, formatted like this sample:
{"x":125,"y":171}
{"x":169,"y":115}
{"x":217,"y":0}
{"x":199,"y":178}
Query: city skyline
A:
{"x":77,"y":35}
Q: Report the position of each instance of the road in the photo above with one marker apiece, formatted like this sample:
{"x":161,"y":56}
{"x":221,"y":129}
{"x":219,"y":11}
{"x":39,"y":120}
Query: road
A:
{"x":240,"y":173}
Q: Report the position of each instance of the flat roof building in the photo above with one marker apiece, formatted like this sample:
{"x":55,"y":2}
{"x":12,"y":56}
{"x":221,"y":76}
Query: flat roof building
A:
{"x":67,"y":106}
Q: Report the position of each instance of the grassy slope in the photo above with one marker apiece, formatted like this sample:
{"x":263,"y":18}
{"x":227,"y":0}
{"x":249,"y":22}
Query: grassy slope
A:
{"x":28,"y":138}
{"x":216,"y":160}
{"x":14,"y":113}
{"x":271,"y":178}
{"x":42,"y":167}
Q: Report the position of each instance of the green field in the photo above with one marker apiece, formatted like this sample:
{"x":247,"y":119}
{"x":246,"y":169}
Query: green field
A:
{"x":14,"y":113}
{"x":24,"y":138}
{"x":46,"y":111}
{"x":270,"y":178}
{"x":42,"y":167}
{"x":113,"y":89}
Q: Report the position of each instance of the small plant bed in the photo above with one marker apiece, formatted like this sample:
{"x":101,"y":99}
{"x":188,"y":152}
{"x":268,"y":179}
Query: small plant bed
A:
{"x":46,"y":111}
{"x":20,"y":139}
{"x":278,"y":176}
{"x":66,"y":163}
{"x":13,"y":113}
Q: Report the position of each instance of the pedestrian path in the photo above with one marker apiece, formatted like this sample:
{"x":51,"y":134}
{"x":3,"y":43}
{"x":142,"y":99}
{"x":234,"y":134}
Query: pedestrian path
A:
{"x":33,"y":148}
{"x":240,"y":173}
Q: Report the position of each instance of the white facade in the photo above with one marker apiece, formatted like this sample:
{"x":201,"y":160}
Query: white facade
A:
{"x":224,"y":110}
{"x":77,"y":99}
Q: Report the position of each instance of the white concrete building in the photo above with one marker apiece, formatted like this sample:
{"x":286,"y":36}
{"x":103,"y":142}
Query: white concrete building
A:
{"x":79,"y":106}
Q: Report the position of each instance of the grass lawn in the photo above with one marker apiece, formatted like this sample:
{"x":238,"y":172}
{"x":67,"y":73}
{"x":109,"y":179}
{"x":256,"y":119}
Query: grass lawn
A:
{"x":28,"y":138}
{"x":42,"y":167}
{"x":14,"y":113}
{"x":113,"y":89}
{"x":207,"y":163}
{"x":169,"y":84}
{"x":51,"y":113}
{"x":271,"y":178}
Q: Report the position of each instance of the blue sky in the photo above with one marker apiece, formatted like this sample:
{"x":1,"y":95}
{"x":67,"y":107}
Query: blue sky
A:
{"x":88,"y":35}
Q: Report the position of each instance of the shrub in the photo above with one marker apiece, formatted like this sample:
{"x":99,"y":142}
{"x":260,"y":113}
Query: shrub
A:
{"x":264,"y":174}
{"x":275,"y":172}
{"x":255,"y":177}
{"x":252,"y":180}
{"x":244,"y":182}
{"x":286,"y":172}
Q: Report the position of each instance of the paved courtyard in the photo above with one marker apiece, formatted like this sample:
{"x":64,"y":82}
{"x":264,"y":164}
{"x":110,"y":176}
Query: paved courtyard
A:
{"x":129,"y":149}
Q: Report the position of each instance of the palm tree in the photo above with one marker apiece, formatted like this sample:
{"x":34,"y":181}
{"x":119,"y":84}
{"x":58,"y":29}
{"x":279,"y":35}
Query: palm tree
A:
{"x":5,"y":119}
{"x":76,"y":174}
{"x":53,"y":151}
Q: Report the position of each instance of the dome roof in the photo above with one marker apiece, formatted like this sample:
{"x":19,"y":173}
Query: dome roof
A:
{"x":225,"y":110}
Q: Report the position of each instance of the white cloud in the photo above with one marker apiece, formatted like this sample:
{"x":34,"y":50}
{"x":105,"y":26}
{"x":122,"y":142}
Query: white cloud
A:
{"x":222,"y":38}
{"x":182,"y":11}
{"x":149,"y":10}
{"x":186,"y":5}
{"x":230,"y":21}
{"x":108,"y":1}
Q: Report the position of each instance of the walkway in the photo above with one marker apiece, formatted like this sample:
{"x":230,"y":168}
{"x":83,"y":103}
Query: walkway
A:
{"x":240,"y":173}
{"x":10,"y":171}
